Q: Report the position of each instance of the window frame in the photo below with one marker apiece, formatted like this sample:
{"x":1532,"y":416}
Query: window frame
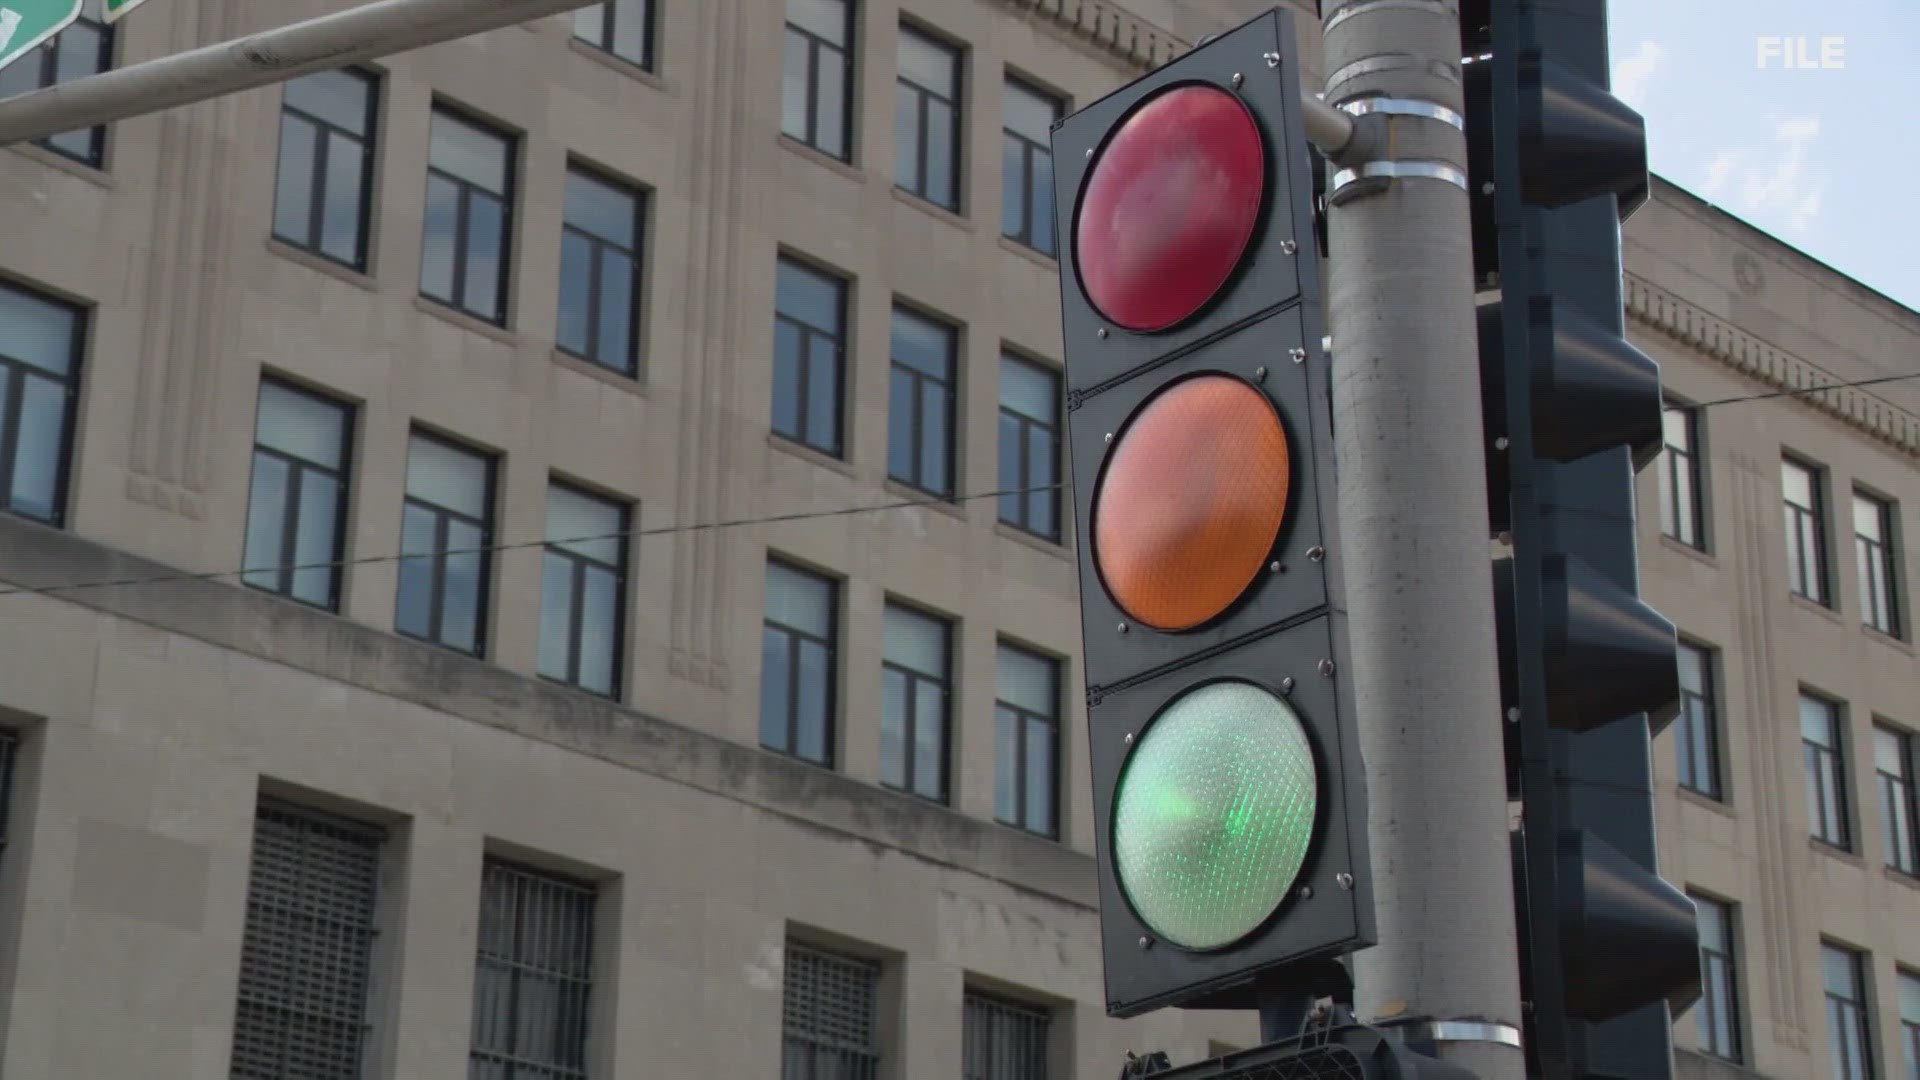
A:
{"x":1729,"y":971}
{"x":369,"y":169}
{"x":1897,"y":794}
{"x":297,"y":468}
{"x":1909,"y":1020}
{"x":1023,"y":717}
{"x":466,"y":191}
{"x":1026,"y":425}
{"x":517,"y":968}
{"x":1878,"y":556}
{"x":47,"y":55}
{"x":794,"y":636}
{"x":815,"y":46}
{"x":1831,"y":767}
{"x":923,"y":130}
{"x":997,"y":1044}
{"x":911,"y":722}
{"x":919,"y":380}
{"x":1676,"y":518}
{"x":1027,"y":147}
{"x":1705,"y":780}
{"x":578,"y":565}
{"x":809,"y":333}
{"x":597,"y":248}
{"x":1808,"y":523}
{"x":483,"y":602}
{"x":856,"y":1062}
{"x":604,"y":41}
{"x":1859,"y":1005}
{"x":16,"y":372}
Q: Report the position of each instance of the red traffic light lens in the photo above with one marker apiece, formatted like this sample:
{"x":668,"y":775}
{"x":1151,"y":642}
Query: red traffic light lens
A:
{"x":1191,"y":501}
{"x":1169,"y":207}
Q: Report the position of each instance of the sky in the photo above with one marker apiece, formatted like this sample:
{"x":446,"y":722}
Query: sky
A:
{"x":1825,"y":156}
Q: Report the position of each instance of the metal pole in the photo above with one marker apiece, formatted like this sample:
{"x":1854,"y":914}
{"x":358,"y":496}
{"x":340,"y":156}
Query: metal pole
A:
{"x":330,"y":41}
{"x":1419,"y":588}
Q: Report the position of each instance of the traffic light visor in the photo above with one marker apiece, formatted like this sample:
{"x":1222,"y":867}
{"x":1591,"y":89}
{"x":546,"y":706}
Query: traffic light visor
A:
{"x":1169,"y":206}
{"x":1190,"y":501}
{"x":1214,"y":814}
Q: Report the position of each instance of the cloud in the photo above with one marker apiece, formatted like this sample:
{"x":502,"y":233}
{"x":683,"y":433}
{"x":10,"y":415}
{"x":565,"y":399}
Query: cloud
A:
{"x":1632,"y":76}
{"x":1778,"y":185}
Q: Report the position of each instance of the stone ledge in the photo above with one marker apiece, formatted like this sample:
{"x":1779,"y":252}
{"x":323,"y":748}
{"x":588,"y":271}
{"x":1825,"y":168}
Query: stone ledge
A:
{"x":1770,"y":365}
{"x":257,"y":624}
{"x":1109,"y":27}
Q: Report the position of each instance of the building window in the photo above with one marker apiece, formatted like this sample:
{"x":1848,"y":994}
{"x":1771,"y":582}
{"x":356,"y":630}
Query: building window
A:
{"x":920,"y":403}
{"x":1027,"y":741}
{"x":809,"y":354}
{"x":307,"y":947}
{"x":1003,"y":1040}
{"x":830,"y":1016}
{"x":1698,"y":749}
{"x":797,"y":664}
{"x":40,"y":343}
{"x":1681,"y":503}
{"x":467,"y":237}
{"x":84,"y":48}
{"x":1029,"y":447}
{"x":9,"y":751}
{"x":446,"y":527}
{"x":917,"y":691}
{"x":1893,"y":764}
{"x":623,"y":28}
{"x":1826,"y":771}
{"x":816,"y":97}
{"x":297,"y":502}
{"x":1845,"y":974}
{"x":1806,"y":531}
{"x":926,"y":120}
{"x":323,"y":195}
{"x":583,"y":591}
{"x":1910,"y":1021}
{"x":1026,"y":169}
{"x":532,"y":976}
{"x":1718,"y":1014}
{"x":600,"y":247}
{"x":1873,"y":542}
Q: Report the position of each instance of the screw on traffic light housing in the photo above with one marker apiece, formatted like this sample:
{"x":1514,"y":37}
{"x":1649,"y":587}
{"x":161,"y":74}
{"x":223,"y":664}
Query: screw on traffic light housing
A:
{"x":1226,"y":780}
{"x":1588,"y":671}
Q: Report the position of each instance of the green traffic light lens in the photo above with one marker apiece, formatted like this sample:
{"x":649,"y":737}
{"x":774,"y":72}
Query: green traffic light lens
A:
{"x":1214,"y":814}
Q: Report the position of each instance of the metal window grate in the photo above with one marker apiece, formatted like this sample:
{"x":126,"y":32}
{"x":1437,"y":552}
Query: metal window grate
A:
{"x":831,"y":1017}
{"x":1004,"y":1041}
{"x":307,"y":948}
{"x":533,"y":976}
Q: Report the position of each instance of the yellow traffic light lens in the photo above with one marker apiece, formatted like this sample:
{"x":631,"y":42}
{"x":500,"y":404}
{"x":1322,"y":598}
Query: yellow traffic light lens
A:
{"x":1214,"y":814}
{"x":1191,"y":501}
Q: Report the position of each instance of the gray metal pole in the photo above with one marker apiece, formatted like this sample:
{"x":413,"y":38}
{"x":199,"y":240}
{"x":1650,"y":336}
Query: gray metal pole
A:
{"x":1419,"y":588}
{"x":330,"y":41}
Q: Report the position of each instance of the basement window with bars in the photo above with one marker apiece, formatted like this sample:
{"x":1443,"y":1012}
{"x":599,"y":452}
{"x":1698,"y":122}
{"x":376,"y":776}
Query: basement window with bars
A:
{"x":306,"y":952}
{"x":831,"y":1017}
{"x":533,"y":976}
{"x":1004,"y":1040}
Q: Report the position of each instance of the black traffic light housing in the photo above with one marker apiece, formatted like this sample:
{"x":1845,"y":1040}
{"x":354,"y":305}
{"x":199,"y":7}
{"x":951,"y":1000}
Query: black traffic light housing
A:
{"x":1589,"y":672}
{"x":1286,"y":632}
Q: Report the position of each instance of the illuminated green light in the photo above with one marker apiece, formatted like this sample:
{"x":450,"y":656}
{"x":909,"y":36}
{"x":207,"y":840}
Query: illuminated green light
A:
{"x":1214,"y":814}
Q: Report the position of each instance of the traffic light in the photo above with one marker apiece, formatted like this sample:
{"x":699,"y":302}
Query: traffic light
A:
{"x":1231,"y":836}
{"x":1589,"y":672}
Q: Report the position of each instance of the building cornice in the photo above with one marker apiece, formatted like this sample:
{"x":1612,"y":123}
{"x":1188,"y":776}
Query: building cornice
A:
{"x":1770,"y":365}
{"x":1108,"y":27}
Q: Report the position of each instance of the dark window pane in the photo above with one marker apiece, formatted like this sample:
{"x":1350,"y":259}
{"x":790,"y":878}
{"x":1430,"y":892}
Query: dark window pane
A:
{"x":464,"y":149}
{"x":1006,"y":764}
{"x":340,"y":221}
{"x":831,"y":107}
{"x":616,"y":310}
{"x":293,"y":193}
{"x":929,"y":738}
{"x":631,"y":26}
{"x":825,"y":19}
{"x":934,"y":461}
{"x":599,"y":630}
{"x":438,"y":237}
{"x":1040,"y":776}
{"x":900,"y":425}
{"x":906,"y":138}
{"x":40,"y":447}
{"x":314,"y":545}
{"x":486,"y":242}
{"x":923,"y":344}
{"x":787,"y":360}
{"x":556,"y":615}
{"x":941,"y":131}
{"x":415,"y":607}
{"x":1010,"y":478}
{"x":1043,"y":200}
{"x":823,"y":394}
{"x":895,"y":701}
{"x":775,"y":672}
{"x":602,"y":208}
{"x":576,"y":288}
{"x":816,"y":688}
{"x":266,"y":521}
{"x":809,"y":296}
{"x":1043,"y":470}
{"x":37,"y":331}
{"x":460,"y":614}
{"x":339,"y":97}
{"x":793,"y":87}
{"x":1013,"y":186}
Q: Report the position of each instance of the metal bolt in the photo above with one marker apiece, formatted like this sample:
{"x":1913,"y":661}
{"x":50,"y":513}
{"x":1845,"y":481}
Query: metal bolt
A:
{"x":1102,"y":332}
{"x":1238,"y":79}
{"x":1127,"y":739}
{"x":1289,"y":247}
{"x":1089,"y":153}
{"x":1274,"y":567}
{"x":1486,"y":188}
{"x":1315,"y":554}
{"x":1109,"y":436}
{"x":1286,"y":685}
{"x":1306,"y":892}
{"x":1326,"y":668}
{"x":1123,"y":628}
{"x":1260,"y":374}
{"x":1272,"y":59}
{"x":1513,"y":715}
{"x":1299,"y":355}
{"x":1146,"y":942}
{"x":1344,"y":880}
{"x":1500,"y":443}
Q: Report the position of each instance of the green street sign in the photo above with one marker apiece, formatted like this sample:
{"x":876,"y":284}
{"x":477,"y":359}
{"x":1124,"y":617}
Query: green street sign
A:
{"x":117,"y":8}
{"x":25,"y":24}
